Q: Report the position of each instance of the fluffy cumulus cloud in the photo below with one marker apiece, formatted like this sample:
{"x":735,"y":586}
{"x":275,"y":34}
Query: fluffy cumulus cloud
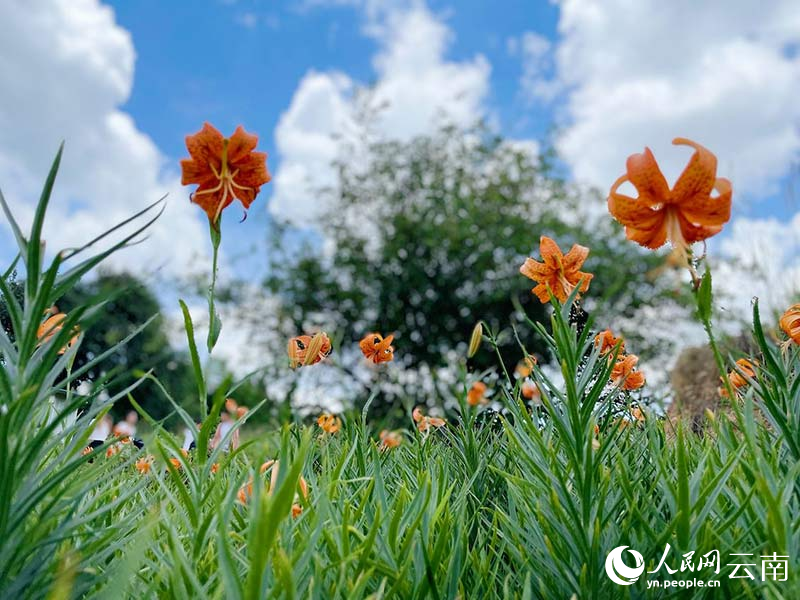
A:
{"x":724,"y":73}
{"x":535,"y":54}
{"x":68,"y":67}
{"x":415,"y":87}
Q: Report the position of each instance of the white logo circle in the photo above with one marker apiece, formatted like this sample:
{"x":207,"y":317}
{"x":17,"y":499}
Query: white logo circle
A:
{"x":618,"y":571}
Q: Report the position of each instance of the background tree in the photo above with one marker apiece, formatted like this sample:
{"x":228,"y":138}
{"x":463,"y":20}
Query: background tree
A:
{"x":424,"y":238}
{"x":129,"y":304}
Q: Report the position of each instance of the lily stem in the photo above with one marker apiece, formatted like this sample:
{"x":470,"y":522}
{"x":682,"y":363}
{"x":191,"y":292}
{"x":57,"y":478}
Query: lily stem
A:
{"x":213,"y":326}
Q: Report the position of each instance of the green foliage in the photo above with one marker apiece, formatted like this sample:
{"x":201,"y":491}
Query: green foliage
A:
{"x":46,"y":496}
{"x":127,"y":304}
{"x":526,"y":505}
{"x":427,"y":238}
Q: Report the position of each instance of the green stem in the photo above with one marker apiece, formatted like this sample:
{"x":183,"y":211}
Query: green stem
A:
{"x":718,"y":358}
{"x":214,"y":325}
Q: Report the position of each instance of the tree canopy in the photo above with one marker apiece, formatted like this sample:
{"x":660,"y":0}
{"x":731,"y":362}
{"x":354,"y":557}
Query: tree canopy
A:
{"x":425,"y":237}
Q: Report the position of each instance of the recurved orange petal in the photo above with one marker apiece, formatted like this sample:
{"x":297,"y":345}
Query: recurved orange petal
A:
{"x":551,"y":253}
{"x":698,"y":177}
{"x":239,"y":145}
{"x":534,"y":269}
{"x":205,"y":147}
{"x":643,"y":223}
{"x":646,"y":176}
{"x":695,"y":233}
{"x":575,"y":258}
{"x":706,"y":210}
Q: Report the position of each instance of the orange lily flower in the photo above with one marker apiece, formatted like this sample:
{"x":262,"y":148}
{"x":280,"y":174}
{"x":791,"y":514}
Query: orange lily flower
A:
{"x":215,"y":468}
{"x":175,"y":463}
{"x":790,"y":323}
{"x":111,"y":451}
{"x":329,"y":423}
{"x":223,"y":169}
{"x":424,"y":423}
{"x":51,"y":327}
{"x":390,"y":439}
{"x":525,"y":367}
{"x":685,"y":214}
{"x":477,"y":394}
{"x":736,"y":378}
{"x":143,"y":465}
{"x":624,"y":375}
{"x":636,"y":417}
{"x":607,"y":342}
{"x":559,"y":272}
{"x":530,"y":390}
{"x":305,"y":350}
{"x":377,"y":348}
{"x":246,"y":491}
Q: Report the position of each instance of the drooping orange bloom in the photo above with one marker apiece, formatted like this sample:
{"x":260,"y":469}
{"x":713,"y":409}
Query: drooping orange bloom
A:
{"x":608,"y":342}
{"x":223,"y":169}
{"x":215,"y":468}
{"x":477,"y":394}
{"x":685,"y":214}
{"x":636,"y":416}
{"x":377,"y":348}
{"x":525,"y":367}
{"x":624,"y":374}
{"x":52,"y":326}
{"x":424,"y":422}
{"x":559,"y":272}
{"x":530,"y":390}
{"x":111,"y":451}
{"x":390,"y":439}
{"x":739,"y":379}
{"x":175,"y":463}
{"x":790,"y":323}
{"x":246,"y":491}
{"x":305,"y":350}
{"x":144,"y":464}
{"x":329,"y":423}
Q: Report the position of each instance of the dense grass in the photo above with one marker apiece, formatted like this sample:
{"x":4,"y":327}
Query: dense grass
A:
{"x":526,"y":503}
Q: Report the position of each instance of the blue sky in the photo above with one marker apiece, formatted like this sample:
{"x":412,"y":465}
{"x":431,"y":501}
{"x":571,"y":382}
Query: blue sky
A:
{"x":207,"y":61}
{"x":124,"y":82}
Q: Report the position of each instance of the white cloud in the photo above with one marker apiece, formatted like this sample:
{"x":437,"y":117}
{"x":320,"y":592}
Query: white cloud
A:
{"x":535,"y":54}
{"x":321,"y":109}
{"x":720,"y":72}
{"x":764,"y":254}
{"x":726,"y":74}
{"x":415,"y":87}
{"x":69,"y":67}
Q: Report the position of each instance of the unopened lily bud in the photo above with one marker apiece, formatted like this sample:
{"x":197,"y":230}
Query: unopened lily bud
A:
{"x":314,"y":349}
{"x":475,"y":340}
